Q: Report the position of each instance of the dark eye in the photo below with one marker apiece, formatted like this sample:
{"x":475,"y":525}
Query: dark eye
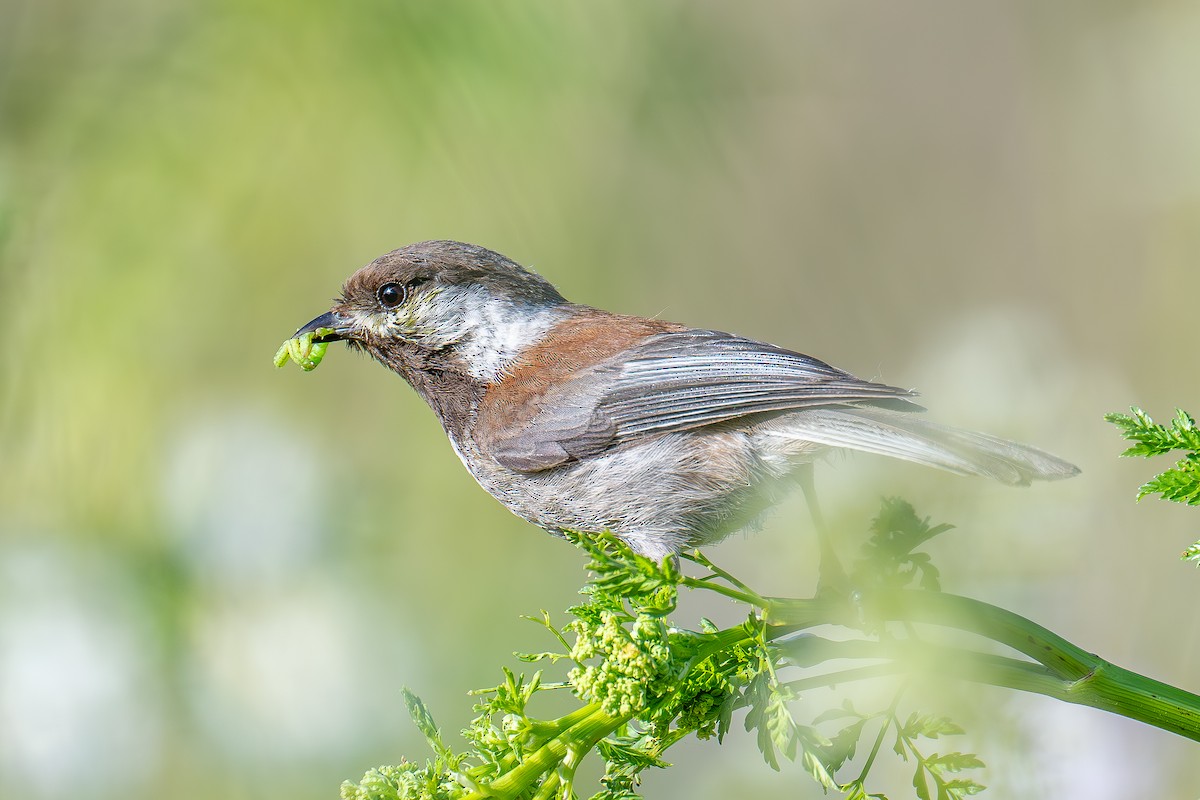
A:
{"x":391,"y":295}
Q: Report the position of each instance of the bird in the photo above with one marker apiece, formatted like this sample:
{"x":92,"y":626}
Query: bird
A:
{"x":667,"y":436}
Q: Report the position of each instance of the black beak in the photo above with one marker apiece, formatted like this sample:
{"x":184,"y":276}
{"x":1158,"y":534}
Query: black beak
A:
{"x":327,"y":320}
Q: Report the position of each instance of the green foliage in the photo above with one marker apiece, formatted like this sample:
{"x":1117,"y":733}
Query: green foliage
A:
{"x":1180,"y":483}
{"x":888,"y":558}
{"x":644,"y":684}
{"x":1152,"y":439}
{"x":401,"y":782}
{"x":935,"y":769}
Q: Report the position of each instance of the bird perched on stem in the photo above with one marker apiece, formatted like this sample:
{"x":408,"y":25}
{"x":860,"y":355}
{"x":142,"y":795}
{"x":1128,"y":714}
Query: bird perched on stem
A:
{"x":579,"y":419}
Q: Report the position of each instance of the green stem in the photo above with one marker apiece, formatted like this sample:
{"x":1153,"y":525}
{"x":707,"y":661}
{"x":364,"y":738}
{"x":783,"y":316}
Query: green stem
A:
{"x":542,"y":731}
{"x":1107,"y":687}
{"x":734,"y":594}
{"x":992,"y":622}
{"x":1085,"y":678}
{"x":723,"y":640}
{"x":1063,"y":671}
{"x":580,"y":738}
{"x":888,"y":717}
{"x":548,"y":787}
{"x":699,"y":558}
{"x":829,"y":679}
{"x":789,"y":614}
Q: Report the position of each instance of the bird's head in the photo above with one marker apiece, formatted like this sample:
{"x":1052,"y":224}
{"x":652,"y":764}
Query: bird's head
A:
{"x":442,"y":307}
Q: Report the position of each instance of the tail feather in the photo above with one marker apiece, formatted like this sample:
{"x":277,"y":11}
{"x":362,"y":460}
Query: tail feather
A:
{"x":909,"y":437}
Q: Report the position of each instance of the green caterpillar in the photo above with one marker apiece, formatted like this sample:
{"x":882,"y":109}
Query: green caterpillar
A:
{"x":303,"y":350}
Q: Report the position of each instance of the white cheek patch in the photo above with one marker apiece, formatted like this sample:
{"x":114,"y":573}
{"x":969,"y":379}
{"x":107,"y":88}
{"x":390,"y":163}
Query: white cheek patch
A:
{"x":499,"y":332}
{"x":488,"y":332}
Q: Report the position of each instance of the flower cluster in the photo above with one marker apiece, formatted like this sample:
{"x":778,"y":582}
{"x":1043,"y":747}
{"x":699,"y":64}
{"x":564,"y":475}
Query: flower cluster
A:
{"x":623,"y":668}
{"x":405,"y":781}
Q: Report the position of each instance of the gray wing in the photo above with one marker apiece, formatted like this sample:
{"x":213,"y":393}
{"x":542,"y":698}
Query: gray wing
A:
{"x":678,"y":381}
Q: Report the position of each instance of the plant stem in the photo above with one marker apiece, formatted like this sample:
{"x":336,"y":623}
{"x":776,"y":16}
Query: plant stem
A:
{"x":888,"y":717}
{"x":1063,"y":670}
{"x":1085,"y":678}
{"x":699,"y":558}
{"x":733,"y":594}
{"x":580,"y":737}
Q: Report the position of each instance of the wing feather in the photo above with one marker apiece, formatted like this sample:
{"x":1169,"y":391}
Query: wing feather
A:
{"x":674,"y":381}
{"x":688,"y":379}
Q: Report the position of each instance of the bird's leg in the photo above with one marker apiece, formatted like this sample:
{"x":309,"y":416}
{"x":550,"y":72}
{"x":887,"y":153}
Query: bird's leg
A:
{"x":830,"y":575}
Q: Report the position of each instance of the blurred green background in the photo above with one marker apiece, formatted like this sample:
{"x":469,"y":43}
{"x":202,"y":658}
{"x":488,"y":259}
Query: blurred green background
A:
{"x":214,"y":576}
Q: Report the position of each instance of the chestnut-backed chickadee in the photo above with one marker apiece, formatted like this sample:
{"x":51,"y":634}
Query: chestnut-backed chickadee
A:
{"x":578,"y":419}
